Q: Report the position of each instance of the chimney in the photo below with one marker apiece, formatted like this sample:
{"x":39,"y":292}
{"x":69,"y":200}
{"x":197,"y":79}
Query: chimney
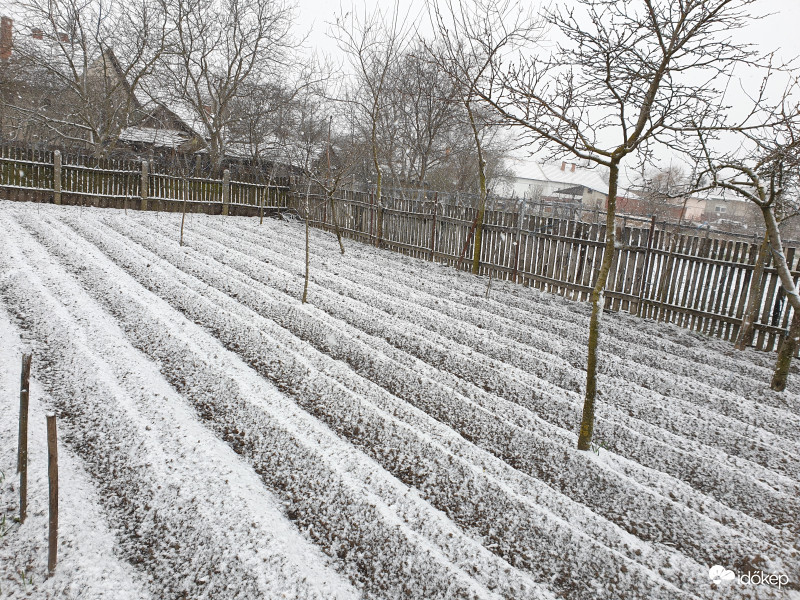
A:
{"x":5,"y":38}
{"x":37,"y":33}
{"x":63,"y":37}
{"x":563,"y":166}
{"x":573,"y":167}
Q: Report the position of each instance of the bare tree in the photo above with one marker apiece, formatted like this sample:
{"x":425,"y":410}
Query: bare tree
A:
{"x":426,"y":111}
{"x":767,"y":174}
{"x":665,"y":192}
{"x":304,"y":142}
{"x":342,"y":159}
{"x":81,"y":66}
{"x":372,"y":43}
{"x":621,"y":78}
{"x":219,"y":51}
{"x":467,"y":51}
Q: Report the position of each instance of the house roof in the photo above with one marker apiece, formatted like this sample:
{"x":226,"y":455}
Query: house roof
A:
{"x":163,"y":138}
{"x":182,"y":113}
{"x":720,"y":195}
{"x":566,"y":177}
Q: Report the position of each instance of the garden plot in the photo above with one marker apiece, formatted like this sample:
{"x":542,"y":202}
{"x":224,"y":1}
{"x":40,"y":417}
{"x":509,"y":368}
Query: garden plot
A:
{"x":409,"y":436}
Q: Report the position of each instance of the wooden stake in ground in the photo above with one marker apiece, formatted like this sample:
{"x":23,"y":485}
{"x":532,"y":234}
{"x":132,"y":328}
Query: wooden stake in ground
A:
{"x":57,"y":177}
{"x":183,"y":212}
{"x":22,"y":451}
{"x":308,"y":248}
{"x":52,"y":476}
{"x":261,"y":206}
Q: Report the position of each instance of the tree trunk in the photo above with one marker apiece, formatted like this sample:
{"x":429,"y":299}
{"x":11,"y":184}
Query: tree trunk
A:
{"x":747,"y":330}
{"x":308,"y":248}
{"x":791,"y":341}
{"x":779,"y":258}
{"x":336,"y":227}
{"x":379,"y":200}
{"x":378,"y":183}
{"x":597,"y":299}
{"x":478,"y":246}
{"x":183,"y":210}
{"x":786,"y":352}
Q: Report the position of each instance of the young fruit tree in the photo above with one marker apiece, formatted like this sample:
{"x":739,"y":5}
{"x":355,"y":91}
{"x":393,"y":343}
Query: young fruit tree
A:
{"x":372,"y":43}
{"x":766,"y":173}
{"x":465,"y":51}
{"x":342,"y":157}
{"x":614,"y":81}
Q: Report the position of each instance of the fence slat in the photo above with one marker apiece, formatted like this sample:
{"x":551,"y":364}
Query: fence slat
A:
{"x":696,"y":281}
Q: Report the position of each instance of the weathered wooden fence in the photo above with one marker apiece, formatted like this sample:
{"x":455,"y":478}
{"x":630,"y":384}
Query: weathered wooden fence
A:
{"x":695,"y":280}
{"x":47,"y":176}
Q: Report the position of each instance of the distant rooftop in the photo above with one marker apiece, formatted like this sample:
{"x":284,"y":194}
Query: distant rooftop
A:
{"x":163,"y":138}
{"x":568,"y":174}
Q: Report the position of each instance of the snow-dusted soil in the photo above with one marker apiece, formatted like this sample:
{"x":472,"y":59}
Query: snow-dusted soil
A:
{"x":401,"y":435}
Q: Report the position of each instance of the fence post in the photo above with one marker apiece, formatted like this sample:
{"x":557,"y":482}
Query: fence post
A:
{"x":226,"y":191}
{"x":518,"y":241}
{"x":264,"y":200}
{"x":646,"y":266}
{"x":57,"y":177}
{"x":144,"y":186}
{"x":185,"y":192}
{"x":22,"y":449}
{"x":52,"y":477}
{"x":371,"y":216}
{"x":433,"y":226}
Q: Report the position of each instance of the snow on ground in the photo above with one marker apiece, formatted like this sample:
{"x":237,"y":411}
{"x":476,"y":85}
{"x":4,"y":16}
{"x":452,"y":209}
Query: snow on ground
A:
{"x":88,"y":565}
{"x":401,"y":435}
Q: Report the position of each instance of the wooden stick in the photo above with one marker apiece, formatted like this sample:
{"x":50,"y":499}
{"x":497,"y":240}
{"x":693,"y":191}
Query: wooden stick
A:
{"x":52,"y":476}
{"x":433,"y":226}
{"x":183,"y":215}
{"x":22,"y":451}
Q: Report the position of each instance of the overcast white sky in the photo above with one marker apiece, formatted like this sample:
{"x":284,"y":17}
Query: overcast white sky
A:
{"x":780,"y":31}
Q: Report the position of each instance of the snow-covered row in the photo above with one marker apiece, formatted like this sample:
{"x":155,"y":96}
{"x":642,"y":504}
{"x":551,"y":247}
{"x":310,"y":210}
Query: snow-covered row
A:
{"x":742,"y":373}
{"x":533,"y":539}
{"x":684,"y":368}
{"x":87,"y":564}
{"x":473,"y":426}
{"x":517,"y":343}
{"x":189,"y":515}
{"x":300,"y":460}
{"x":697,"y":461}
{"x":425,"y":458}
{"x":385,"y":367}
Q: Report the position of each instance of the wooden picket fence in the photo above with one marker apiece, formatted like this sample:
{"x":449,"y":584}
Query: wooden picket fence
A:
{"x":48,"y":173}
{"x":697,"y":280}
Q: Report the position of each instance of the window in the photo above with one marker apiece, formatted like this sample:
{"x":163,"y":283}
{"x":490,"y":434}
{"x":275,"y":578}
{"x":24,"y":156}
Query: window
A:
{"x":720,"y":209}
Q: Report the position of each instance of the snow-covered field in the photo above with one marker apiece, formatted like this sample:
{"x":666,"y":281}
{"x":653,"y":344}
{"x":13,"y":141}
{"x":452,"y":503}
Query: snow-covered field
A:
{"x":399,"y":436}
